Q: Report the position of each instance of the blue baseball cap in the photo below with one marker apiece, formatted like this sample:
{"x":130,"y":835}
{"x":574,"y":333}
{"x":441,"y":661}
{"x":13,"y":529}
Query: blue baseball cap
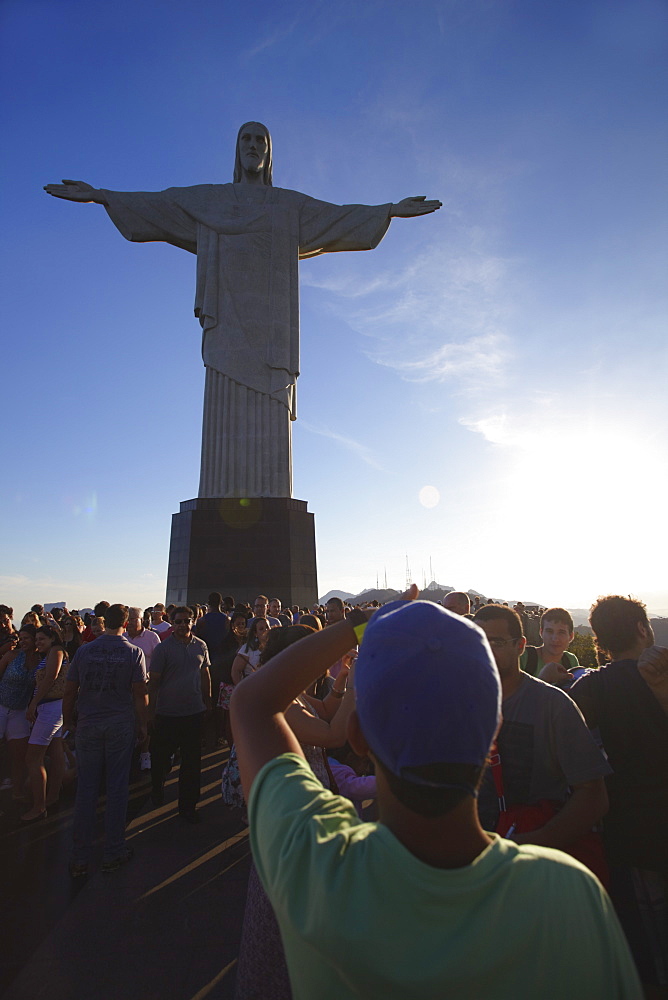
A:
{"x":427,"y":688}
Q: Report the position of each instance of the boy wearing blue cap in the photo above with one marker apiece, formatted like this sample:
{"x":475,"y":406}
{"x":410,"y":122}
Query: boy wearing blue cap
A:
{"x":423,"y":903}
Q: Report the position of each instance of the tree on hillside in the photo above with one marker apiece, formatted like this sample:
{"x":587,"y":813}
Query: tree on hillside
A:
{"x":584,"y":649}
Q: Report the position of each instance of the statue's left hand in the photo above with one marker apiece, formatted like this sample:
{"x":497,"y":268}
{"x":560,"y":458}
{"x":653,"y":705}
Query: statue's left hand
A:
{"x":75,"y":191}
{"x":409,"y":207}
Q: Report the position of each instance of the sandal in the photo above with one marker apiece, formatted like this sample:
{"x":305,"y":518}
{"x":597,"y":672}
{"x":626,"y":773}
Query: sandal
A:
{"x":33,"y":819}
{"x":115,"y":863}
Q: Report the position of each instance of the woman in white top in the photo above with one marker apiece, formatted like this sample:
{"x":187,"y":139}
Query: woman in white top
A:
{"x":248,"y":657}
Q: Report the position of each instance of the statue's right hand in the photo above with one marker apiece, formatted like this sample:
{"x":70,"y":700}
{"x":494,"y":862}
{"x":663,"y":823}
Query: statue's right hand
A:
{"x":72,"y":191}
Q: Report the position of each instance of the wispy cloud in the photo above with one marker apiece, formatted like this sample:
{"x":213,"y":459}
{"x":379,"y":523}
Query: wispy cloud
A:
{"x":478,"y":359}
{"x":22,"y":591}
{"x":361,"y":450}
{"x":347,"y":285}
{"x":443,"y":317}
{"x":570,"y":420}
{"x":273,"y":37}
{"x":316,"y":20}
{"x":497,"y":427}
{"x":6,"y":582}
{"x":567,"y":419}
{"x":25,"y":590}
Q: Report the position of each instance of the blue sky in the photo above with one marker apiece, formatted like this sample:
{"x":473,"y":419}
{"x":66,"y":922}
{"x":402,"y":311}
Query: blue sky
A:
{"x":485,"y":390}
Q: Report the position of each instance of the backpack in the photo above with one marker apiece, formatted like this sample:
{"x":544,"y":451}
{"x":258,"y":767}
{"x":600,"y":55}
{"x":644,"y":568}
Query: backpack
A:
{"x":532,"y":661}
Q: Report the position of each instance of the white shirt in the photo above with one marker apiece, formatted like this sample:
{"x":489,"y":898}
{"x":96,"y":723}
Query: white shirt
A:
{"x":147,"y":641}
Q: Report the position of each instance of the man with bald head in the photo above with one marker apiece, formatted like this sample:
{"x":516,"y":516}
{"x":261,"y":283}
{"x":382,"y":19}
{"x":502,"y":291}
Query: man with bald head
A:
{"x":147,"y":640}
{"x":458,"y":602}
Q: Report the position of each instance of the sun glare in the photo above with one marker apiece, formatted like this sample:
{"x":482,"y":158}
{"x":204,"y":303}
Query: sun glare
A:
{"x":587,"y":507}
{"x":429,"y":496}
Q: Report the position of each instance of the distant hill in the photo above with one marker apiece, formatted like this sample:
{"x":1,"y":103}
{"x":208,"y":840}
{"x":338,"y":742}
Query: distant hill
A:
{"x":437,"y":591}
{"x":434,"y":592}
{"x":382,"y":596}
{"x":660,"y":626}
{"x":580,"y":616}
{"x":342,"y":594}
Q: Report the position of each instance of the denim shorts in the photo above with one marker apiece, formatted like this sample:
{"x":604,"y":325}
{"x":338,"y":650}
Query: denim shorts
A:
{"x":49,"y":724}
{"x":13,"y":723}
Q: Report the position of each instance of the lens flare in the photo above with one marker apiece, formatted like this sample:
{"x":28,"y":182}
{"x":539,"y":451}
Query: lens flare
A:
{"x":429,"y":496}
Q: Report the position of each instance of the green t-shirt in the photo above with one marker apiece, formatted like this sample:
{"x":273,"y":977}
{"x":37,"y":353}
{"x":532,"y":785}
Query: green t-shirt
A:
{"x":360,"y":916}
{"x":540,"y":662}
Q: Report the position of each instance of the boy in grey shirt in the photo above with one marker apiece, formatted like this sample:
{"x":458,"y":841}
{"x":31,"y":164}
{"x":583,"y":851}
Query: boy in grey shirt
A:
{"x":179,"y":695}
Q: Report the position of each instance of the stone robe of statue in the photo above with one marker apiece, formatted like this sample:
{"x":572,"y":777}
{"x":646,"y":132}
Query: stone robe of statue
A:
{"x":248,"y":240}
{"x":248,"y":237}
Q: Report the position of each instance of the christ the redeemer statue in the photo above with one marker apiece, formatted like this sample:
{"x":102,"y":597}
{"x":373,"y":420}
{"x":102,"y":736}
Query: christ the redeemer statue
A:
{"x":248,"y":237}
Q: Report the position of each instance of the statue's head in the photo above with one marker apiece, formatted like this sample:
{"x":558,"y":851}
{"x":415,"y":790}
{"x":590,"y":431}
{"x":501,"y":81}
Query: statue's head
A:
{"x":253,"y":152}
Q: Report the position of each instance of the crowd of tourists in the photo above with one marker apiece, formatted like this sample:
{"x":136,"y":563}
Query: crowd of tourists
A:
{"x":417,"y":779}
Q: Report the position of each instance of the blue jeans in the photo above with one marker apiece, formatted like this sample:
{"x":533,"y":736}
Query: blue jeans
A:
{"x":102,"y":747}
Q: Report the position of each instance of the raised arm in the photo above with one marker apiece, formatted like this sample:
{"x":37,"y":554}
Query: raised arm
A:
{"x":410,"y":207}
{"x":320,"y":732}
{"x":258,"y":706}
{"x":9,"y":644}
{"x":7,"y":659}
{"x":76,"y":191}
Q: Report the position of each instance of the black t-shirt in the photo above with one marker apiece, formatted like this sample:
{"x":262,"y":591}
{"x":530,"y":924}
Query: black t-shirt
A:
{"x":214,"y":629}
{"x":225,"y":665}
{"x":72,"y":646}
{"x":634,"y":733}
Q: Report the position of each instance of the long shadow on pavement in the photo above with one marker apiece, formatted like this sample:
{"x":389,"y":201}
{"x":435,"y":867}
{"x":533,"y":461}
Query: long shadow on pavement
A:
{"x":166,"y":925}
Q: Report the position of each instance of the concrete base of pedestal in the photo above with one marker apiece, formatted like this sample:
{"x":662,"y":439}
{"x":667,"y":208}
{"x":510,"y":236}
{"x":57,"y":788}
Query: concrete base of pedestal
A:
{"x":264,"y":545}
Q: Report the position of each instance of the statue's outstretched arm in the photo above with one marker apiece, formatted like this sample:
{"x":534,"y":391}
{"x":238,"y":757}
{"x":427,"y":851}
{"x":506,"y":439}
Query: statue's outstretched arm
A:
{"x":75,"y":191}
{"x":409,"y":207}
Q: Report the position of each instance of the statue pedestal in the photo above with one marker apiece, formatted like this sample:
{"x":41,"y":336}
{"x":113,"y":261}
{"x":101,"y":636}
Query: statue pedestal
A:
{"x":261,"y":545}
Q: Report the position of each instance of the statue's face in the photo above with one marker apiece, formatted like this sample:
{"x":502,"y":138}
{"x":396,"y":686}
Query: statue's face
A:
{"x":253,"y":148}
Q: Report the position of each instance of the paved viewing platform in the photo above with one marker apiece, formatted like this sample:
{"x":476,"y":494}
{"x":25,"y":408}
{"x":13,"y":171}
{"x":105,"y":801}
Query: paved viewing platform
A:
{"x":166,"y":925}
